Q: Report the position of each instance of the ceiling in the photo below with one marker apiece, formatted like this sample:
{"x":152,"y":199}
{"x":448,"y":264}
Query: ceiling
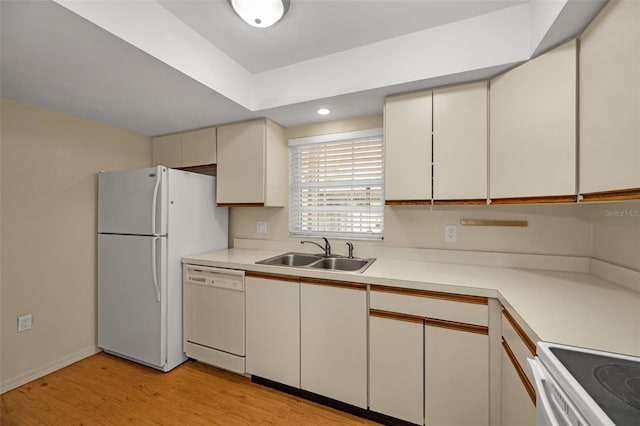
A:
{"x":157,"y":67}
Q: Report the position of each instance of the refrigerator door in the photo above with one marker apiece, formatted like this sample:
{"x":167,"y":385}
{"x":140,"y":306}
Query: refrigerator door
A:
{"x":132,"y":294}
{"x":133,"y":202}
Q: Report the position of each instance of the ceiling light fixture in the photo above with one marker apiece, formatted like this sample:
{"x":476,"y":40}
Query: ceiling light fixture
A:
{"x":260,"y":13}
{"x":323,"y":111}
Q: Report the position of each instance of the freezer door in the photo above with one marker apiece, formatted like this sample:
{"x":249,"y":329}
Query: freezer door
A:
{"x":133,"y":201}
{"x":132,"y":294}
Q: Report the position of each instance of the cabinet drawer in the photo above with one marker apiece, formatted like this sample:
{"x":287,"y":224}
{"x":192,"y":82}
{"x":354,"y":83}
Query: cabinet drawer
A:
{"x":450,"y":307}
{"x":522,"y":348}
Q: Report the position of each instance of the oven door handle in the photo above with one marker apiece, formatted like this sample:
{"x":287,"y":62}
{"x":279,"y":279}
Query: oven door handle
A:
{"x":543,"y":403}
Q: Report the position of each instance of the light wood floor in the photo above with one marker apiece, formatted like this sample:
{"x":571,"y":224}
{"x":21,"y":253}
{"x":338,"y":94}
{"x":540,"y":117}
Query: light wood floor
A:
{"x":106,"y":390}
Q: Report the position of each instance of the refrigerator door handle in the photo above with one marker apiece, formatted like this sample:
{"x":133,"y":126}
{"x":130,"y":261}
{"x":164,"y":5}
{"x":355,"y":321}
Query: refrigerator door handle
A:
{"x":154,"y":267}
{"x":154,"y":205}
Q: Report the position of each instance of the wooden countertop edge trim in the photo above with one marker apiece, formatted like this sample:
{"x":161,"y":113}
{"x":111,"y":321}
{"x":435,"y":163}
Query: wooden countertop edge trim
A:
{"x":477,"y":300}
{"x":396,"y":316}
{"x":332,"y":283}
{"x":536,"y":200}
{"x":523,"y":336}
{"x":614,"y":195}
{"x":458,"y":326}
{"x":523,"y":376}
{"x":267,"y":276}
{"x":307,"y":280}
{"x":432,"y":322}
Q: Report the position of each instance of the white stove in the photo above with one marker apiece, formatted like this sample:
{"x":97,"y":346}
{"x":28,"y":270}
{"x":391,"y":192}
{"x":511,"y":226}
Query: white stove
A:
{"x":578,"y":386}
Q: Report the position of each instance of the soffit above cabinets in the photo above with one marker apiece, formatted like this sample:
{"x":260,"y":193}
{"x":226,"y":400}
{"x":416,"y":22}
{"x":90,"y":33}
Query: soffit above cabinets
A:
{"x":156,"y":67}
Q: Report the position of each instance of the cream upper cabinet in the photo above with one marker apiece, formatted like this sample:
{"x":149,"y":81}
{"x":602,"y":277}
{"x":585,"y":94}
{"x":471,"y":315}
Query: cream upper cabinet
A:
{"x":533,"y":128}
{"x":187,"y":149}
{"x":460,"y":143}
{"x":407,"y":141}
{"x":610,"y":100}
{"x":167,"y":150}
{"x":199,"y":147}
{"x":252,"y":164}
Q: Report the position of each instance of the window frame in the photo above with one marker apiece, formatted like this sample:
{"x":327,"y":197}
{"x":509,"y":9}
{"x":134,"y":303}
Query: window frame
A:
{"x":294,"y":207}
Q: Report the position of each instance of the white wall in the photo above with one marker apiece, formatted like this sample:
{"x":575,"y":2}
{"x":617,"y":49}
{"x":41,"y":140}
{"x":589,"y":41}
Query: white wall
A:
{"x":48,"y":217}
{"x":616,"y":233}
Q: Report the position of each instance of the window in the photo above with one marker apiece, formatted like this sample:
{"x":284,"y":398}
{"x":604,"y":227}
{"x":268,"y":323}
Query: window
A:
{"x":336,"y":185}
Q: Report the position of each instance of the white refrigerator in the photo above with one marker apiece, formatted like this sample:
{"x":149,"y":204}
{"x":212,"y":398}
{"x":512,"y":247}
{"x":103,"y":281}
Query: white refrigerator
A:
{"x":148,"y":219}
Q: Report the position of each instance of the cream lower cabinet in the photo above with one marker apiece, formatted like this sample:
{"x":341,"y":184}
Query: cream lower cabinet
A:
{"x":429,"y":357}
{"x":454,"y":358}
{"x":518,"y":394}
{"x":517,"y":407}
{"x":396,"y":366}
{"x":333,"y":345}
{"x":273,"y":328}
{"x":610,"y":101}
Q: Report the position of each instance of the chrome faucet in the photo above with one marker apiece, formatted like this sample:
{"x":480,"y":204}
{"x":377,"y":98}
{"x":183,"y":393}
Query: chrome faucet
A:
{"x":350,"y":245}
{"x":326,"y":248}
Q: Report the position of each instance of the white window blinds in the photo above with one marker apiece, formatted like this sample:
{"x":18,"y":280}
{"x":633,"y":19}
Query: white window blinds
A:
{"x":336,"y":185}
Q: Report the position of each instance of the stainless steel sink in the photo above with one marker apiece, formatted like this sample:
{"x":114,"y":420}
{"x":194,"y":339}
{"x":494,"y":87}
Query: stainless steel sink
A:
{"x":291,"y":259}
{"x":341,"y":263}
{"x":317,"y":261}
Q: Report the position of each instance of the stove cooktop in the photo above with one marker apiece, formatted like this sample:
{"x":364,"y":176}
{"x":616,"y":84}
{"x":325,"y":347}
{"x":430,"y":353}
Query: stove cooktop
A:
{"x":613,"y":383}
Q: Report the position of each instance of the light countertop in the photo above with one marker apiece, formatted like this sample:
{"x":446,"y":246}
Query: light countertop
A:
{"x":564,"y":307}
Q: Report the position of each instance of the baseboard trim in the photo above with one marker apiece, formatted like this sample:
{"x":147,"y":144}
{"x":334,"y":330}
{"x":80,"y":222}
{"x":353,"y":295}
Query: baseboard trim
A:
{"x":332,"y":403}
{"x":34,"y":374}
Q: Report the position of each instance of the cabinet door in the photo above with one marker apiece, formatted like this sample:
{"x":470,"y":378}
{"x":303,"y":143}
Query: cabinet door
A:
{"x":456,"y":377}
{"x":241,"y":163}
{"x":610,"y":99}
{"x":199,"y":147}
{"x":273,"y":329}
{"x":533,"y":128}
{"x":167,"y":150}
{"x":333,"y":353}
{"x":518,"y":409}
{"x":396,"y":365}
{"x":460,"y":143}
{"x":407,"y":142}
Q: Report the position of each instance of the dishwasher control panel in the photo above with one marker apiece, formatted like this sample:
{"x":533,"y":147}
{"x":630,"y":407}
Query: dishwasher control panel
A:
{"x":214,"y":277}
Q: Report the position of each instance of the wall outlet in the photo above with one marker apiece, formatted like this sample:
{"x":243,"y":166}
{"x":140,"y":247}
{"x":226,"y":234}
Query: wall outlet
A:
{"x":24,"y":322}
{"x":450,"y":233}
{"x":261,"y":227}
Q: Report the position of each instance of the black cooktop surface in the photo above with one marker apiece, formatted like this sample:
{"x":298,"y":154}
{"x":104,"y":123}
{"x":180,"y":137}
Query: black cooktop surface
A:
{"x":613,"y":383}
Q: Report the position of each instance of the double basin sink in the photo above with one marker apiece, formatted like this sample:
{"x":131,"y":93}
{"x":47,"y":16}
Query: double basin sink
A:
{"x":317,"y":261}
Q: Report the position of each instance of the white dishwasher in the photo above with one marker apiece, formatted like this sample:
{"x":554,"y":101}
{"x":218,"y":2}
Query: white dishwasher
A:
{"x":214,"y":316}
